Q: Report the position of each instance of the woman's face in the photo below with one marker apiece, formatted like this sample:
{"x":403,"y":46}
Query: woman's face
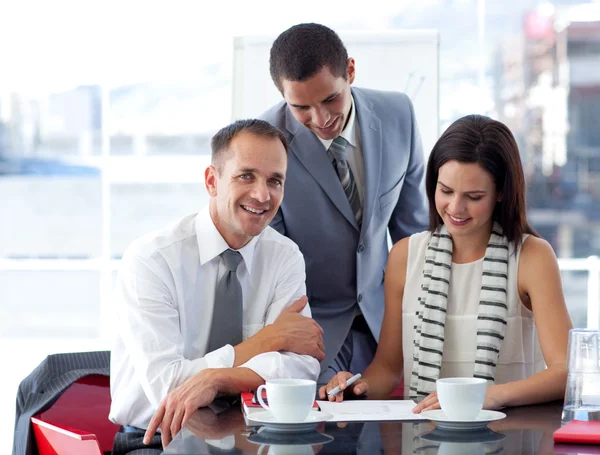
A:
{"x":465,"y":198}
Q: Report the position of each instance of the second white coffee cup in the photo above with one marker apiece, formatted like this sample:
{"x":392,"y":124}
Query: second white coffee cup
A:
{"x":290,"y":400}
{"x":461,"y":398}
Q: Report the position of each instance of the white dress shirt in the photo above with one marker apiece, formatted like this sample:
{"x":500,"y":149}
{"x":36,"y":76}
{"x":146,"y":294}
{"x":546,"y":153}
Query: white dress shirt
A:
{"x":164,"y":302}
{"x":354,"y":149}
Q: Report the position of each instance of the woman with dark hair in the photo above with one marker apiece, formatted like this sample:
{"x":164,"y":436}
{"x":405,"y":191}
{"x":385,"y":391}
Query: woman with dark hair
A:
{"x":479,"y":293}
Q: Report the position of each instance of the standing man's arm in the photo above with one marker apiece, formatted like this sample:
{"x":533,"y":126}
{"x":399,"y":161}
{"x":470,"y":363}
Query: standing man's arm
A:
{"x":411,"y":212}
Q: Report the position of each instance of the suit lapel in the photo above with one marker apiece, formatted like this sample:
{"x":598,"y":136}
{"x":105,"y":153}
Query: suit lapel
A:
{"x":311,"y":153}
{"x":370,"y":135}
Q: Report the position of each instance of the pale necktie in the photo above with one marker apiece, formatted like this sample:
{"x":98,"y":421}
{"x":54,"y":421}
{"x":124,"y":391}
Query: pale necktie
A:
{"x":337,"y":153}
{"x":228,"y":311}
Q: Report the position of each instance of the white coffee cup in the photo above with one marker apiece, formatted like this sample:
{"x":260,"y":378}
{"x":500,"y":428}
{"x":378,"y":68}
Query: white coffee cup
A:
{"x":461,"y":398}
{"x":290,"y":400}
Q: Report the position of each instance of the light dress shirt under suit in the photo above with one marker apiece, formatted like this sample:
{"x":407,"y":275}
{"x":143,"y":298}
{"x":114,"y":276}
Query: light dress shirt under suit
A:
{"x":353,"y":149}
{"x":164,"y":300}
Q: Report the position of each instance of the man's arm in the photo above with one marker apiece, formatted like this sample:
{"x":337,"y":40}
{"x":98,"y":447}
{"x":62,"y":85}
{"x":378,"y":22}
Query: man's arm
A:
{"x":198,"y":391}
{"x":301,"y":337}
{"x":411,"y":214}
{"x":293,"y":330}
{"x":148,"y":323}
{"x":289,"y":323}
{"x":201,"y":390}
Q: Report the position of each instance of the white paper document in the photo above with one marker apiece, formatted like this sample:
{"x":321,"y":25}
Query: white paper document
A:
{"x":370,"y":410}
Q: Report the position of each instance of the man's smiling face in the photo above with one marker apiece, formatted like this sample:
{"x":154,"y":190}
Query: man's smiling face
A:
{"x":247,"y":187}
{"x":321,"y":103}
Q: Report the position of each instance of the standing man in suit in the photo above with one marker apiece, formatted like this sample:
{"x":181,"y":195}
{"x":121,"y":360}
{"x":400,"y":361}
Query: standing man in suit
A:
{"x":356,"y":169}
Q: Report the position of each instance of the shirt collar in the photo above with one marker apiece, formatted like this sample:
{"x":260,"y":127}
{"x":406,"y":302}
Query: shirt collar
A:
{"x":211,"y":243}
{"x":349,"y":132}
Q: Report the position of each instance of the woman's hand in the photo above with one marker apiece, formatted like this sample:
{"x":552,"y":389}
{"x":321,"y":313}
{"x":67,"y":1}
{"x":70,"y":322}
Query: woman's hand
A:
{"x":428,"y":403}
{"x":358,"y":388}
{"x":492,"y":401}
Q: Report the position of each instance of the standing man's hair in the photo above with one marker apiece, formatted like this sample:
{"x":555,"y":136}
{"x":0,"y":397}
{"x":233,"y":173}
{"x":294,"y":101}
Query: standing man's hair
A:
{"x":303,"y":50}
{"x":221,"y":140}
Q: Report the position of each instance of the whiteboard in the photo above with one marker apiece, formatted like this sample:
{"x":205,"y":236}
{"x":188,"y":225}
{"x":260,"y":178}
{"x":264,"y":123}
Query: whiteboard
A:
{"x":404,"y":61}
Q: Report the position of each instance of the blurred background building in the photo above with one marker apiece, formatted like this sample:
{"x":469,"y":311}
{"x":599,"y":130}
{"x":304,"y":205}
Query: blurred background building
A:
{"x":548,"y":91}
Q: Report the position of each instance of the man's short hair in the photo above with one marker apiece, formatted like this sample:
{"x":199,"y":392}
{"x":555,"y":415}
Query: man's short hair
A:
{"x":220,"y":142}
{"x":303,"y":50}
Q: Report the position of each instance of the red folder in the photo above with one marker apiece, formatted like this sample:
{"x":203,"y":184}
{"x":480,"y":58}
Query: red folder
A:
{"x":247,"y":400}
{"x":579,"y":432}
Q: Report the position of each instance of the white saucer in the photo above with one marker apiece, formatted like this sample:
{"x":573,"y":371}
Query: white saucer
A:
{"x":481,"y":421}
{"x":267,"y":419}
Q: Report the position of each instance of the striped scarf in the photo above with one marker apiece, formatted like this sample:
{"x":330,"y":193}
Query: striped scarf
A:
{"x":431,"y":315}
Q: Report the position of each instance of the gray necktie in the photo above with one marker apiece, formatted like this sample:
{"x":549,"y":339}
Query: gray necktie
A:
{"x":338,"y":155}
{"x":228,"y":311}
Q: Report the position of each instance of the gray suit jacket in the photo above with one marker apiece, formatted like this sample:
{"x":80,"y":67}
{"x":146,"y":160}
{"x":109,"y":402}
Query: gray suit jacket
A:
{"x":38,"y":391}
{"x":345,"y":264}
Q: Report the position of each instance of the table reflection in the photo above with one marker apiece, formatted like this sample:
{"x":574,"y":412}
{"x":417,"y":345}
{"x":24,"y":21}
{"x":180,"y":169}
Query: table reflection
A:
{"x":277,"y":443}
{"x":525,"y":430}
{"x":446,"y":442}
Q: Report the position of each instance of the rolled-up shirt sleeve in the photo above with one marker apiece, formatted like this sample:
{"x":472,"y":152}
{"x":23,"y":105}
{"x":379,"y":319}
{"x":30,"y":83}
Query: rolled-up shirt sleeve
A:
{"x":289,"y":287}
{"x":149,"y":325}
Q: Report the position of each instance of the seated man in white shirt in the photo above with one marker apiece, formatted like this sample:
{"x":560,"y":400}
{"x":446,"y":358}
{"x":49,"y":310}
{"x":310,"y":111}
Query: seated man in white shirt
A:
{"x":180,"y":342}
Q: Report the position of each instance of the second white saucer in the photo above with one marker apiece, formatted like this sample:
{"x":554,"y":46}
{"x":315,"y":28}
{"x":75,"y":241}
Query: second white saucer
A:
{"x":268,"y":420}
{"x":481,"y":421}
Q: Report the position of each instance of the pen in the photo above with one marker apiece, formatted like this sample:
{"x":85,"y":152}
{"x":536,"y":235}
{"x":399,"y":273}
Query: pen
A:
{"x":350,"y":381}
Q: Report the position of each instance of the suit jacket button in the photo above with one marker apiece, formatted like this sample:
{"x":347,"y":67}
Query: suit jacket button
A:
{"x":359,"y":298}
{"x":361,"y":248}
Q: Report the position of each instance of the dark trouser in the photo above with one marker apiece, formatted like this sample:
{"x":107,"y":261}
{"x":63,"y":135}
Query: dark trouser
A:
{"x":129,"y":441}
{"x":356,"y":353}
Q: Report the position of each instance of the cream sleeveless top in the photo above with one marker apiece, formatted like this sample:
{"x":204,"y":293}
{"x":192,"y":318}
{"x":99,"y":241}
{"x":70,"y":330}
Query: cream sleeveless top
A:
{"x":520,"y":353}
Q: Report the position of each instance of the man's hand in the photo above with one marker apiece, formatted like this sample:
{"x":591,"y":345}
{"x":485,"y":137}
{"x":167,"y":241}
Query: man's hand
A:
{"x":299,"y":334}
{"x":179,"y":405}
{"x":291,"y":332}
